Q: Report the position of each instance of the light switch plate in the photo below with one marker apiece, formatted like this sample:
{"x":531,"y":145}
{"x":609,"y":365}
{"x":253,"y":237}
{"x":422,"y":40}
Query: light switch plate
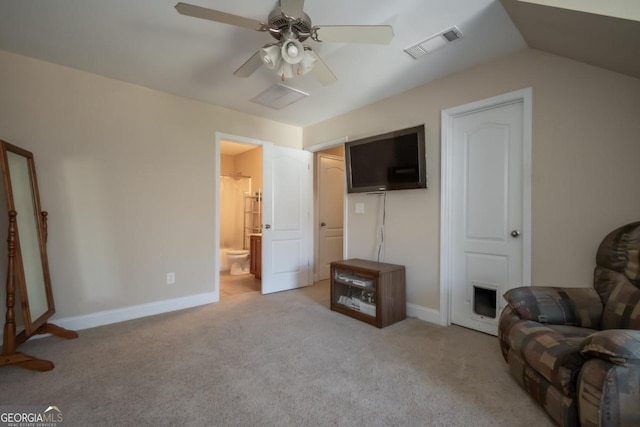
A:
{"x":359,"y":208}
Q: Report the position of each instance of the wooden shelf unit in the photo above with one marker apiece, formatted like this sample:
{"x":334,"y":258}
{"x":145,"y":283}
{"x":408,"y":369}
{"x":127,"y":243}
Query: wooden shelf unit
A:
{"x":377,"y":287}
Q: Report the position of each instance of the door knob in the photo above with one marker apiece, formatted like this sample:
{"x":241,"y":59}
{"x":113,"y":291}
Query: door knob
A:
{"x":515,"y":233}
{"x":323,"y":224}
{"x":267,"y":226}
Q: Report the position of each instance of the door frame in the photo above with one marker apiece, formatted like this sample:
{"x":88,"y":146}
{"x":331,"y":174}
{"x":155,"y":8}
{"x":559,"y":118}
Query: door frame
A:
{"x":316,"y":229}
{"x":316,"y":203}
{"x":446,"y":188}
{"x":220,"y":136}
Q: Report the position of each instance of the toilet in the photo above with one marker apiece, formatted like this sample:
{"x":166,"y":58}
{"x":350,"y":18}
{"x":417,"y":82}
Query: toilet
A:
{"x":239,"y":260}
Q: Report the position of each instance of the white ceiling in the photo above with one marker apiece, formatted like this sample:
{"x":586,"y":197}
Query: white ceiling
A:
{"x":146,"y":42}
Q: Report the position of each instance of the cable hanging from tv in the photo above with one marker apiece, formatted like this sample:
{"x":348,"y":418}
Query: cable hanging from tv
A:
{"x":384,"y":216}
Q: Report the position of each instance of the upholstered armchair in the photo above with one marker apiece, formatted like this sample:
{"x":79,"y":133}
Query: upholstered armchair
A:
{"x":576,"y":351}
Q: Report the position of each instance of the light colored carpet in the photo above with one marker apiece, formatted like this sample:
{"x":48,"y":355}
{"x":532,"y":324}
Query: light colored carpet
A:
{"x":277,"y":360}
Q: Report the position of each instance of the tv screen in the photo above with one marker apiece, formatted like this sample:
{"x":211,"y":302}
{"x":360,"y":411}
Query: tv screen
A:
{"x":393,"y":161}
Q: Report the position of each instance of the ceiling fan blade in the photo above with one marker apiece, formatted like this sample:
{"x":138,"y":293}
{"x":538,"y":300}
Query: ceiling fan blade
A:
{"x":249,"y":67}
{"x":217,"y":16}
{"x":378,"y":34}
{"x":292,"y":8}
{"x":320,"y":70}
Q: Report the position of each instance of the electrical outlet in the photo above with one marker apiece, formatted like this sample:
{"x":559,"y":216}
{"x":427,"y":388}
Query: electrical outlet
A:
{"x":171,"y":278}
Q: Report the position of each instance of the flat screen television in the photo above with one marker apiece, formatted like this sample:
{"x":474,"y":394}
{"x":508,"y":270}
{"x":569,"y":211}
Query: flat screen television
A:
{"x":393,"y":161}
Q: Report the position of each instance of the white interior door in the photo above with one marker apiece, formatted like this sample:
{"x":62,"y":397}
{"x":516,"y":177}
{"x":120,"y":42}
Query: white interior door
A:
{"x":487,"y":213}
{"x":286,"y":217}
{"x":330,"y":213}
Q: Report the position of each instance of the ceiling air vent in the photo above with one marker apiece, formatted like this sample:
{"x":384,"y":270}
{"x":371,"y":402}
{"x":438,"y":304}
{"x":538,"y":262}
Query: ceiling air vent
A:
{"x":434,"y":42}
{"x":279,"y":96}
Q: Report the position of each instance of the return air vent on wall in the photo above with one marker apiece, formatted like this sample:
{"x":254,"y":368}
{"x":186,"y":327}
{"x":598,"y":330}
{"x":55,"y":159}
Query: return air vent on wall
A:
{"x":434,"y":42}
{"x":279,"y":96}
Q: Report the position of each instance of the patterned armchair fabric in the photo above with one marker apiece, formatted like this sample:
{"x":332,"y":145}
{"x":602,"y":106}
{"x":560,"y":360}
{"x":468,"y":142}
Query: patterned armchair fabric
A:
{"x":576,"y":351}
{"x":557,"y":306}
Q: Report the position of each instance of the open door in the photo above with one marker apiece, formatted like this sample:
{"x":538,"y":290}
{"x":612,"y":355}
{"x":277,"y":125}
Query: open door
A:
{"x":286,"y":217}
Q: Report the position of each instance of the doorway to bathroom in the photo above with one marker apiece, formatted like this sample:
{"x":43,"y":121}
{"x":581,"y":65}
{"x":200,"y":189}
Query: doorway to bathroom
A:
{"x":240,"y":218}
{"x":285,"y":243}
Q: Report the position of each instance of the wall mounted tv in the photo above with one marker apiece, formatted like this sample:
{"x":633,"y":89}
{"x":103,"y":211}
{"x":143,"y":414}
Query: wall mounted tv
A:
{"x":393,"y":161}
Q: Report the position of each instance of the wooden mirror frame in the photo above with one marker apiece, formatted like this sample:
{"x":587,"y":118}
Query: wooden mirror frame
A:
{"x":27,"y":259}
{"x":15,"y":188}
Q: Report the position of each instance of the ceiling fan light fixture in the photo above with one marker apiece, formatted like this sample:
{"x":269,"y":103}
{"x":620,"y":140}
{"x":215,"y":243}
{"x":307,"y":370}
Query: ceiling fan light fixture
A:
{"x":290,"y":26}
{"x":276,"y":57}
{"x":271,"y":57}
{"x":306,"y":64}
{"x":292,"y":51}
{"x":286,"y":71}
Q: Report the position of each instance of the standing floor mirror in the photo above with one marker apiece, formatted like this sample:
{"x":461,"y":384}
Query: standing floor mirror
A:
{"x":28,"y":279}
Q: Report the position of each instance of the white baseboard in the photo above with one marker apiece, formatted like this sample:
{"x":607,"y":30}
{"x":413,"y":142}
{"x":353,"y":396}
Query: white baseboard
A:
{"x":107,"y":317}
{"x":424,"y":313}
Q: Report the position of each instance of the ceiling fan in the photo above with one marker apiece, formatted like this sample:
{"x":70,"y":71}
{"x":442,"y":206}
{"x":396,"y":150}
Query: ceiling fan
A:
{"x":290,"y":26}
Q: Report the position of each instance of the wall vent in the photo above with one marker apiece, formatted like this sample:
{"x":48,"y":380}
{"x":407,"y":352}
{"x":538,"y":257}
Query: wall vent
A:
{"x":434,"y":42}
{"x":279,"y":96}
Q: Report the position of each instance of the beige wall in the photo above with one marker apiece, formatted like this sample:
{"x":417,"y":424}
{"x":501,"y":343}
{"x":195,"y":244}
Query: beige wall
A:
{"x":127,"y":175}
{"x":585,"y":166}
{"x":249,"y":163}
{"x":227,"y":164}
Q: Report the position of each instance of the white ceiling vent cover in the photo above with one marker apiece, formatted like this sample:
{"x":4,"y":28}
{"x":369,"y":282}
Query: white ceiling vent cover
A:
{"x":279,"y":96}
{"x":434,"y":42}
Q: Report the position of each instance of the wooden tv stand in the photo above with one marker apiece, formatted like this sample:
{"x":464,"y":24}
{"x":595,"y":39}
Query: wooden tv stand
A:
{"x":373,"y":292}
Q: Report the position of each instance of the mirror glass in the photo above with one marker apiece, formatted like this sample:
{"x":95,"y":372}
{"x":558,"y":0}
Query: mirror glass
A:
{"x":31,"y":267}
{"x":28,"y":222}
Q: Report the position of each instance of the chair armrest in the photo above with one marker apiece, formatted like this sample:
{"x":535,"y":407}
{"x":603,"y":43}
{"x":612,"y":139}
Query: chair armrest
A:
{"x":608,"y":394}
{"x":619,"y":346}
{"x":557,"y":306}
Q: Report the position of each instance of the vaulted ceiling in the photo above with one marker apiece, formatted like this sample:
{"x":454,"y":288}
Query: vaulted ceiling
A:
{"x":605,"y":41}
{"x":146,"y":42}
